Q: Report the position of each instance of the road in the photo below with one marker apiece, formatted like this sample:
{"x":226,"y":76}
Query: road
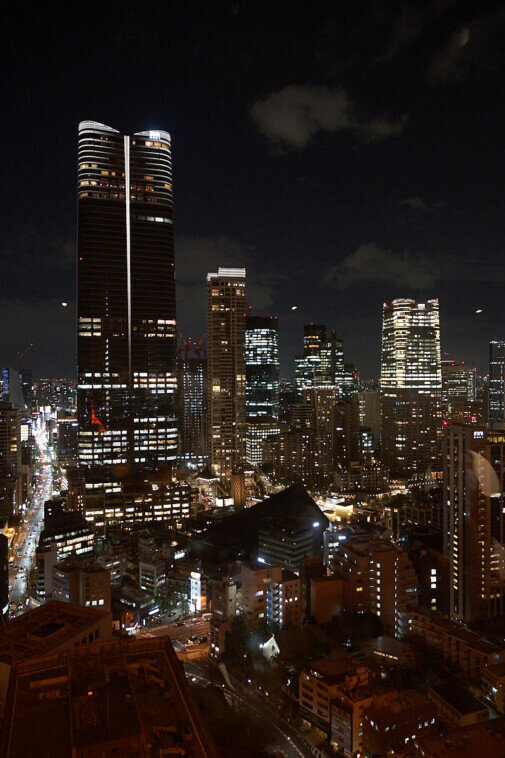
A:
{"x":25,"y":541}
{"x":181,"y":633}
{"x":289,"y":741}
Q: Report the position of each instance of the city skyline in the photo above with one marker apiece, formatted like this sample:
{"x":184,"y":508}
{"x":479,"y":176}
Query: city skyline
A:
{"x":365,"y":200}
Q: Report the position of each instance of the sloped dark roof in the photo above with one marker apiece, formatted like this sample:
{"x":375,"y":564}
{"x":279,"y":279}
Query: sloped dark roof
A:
{"x":240,"y":531}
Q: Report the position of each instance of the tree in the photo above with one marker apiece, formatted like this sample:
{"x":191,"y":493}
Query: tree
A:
{"x":238,"y":644}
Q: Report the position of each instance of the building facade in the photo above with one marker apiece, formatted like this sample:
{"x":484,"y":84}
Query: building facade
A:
{"x":226,"y":369}
{"x":126,"y":345}
{"x":474,"y":523}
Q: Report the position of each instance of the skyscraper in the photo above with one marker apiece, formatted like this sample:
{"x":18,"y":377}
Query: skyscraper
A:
{"x":126,"y":347}
{"x":496,"y":391}
{"x":308,"y":365}
{"x":262,"y":367}
{"x":192,"y":415}
{"x":322,"y":361}
{"x":226,"y":369}
{"x":474,"y":522}
{"x":262,"y":384}
{"x":410,"y":386}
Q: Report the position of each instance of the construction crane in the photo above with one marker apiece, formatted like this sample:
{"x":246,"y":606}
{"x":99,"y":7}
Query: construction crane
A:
{"x":22,"y":353}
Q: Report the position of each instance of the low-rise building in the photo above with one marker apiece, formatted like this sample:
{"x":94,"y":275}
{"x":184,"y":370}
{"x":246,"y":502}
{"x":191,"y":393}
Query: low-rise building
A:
{"x":326,"y":597}
{"x":456,"y":707}
{"x":411,"y":714}
{"x":480,"y":739}
{"x":82,"y":583}
{"x":457,"y":646}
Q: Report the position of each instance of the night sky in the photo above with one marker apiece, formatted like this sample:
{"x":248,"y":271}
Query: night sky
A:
{"x":346,"y":152}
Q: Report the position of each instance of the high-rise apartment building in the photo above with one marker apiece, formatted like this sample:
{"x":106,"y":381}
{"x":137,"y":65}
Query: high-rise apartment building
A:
{"x":126,"y":346}
{"x":496,"y":387}
{"x":411,"y":385}
{"x":226,"y":369}
{"x":474,"y":521}
{"x":192,"y":415}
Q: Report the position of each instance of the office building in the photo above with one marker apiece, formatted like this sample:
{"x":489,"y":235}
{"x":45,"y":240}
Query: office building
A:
{"x":287,"y":544}
{"x":192,"y":416}
{"x":126,"y":346}
{"x":496,"y":386}
{"x":262,"y":367}
{"x":68,"y":439}
{"x":370,"y":414}
{"x":10,"y":461}
{"x":140,"y":500}
{"x":308,"y":365}
{"x":457,"y":381}
{"x":474,"y":523}
{"x":226,"y":372}
{"x":82,"y":583}
{"x":332,"y":360}
{"x":257,"y":432}
{"x":411,"y":386}
{"x":262,"y":384}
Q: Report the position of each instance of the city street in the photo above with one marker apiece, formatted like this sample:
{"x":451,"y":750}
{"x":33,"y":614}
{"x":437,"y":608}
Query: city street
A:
{"x":181,"y":633}
{"x":24,"y":543}
{"x":289,"y":741}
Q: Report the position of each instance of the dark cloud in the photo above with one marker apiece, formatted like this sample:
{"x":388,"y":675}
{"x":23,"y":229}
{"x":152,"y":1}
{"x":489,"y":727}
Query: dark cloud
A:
{"x":415,"y":204}
{"x":294,"y":114}
{"x":370,"y":263}
{"x":474,"y":47}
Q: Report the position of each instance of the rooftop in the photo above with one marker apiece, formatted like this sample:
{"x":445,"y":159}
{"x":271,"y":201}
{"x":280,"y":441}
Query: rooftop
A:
{"x":44,"y":630}
{"x":240,"y":531}
{"x":472,"y":639}
{"x":458,"y":698}
{"x":468,"y":742}
{"x":113,"y":697}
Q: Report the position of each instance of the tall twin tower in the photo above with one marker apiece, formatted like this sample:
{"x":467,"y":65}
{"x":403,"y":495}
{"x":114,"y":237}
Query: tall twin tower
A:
{"x":127,"y":334}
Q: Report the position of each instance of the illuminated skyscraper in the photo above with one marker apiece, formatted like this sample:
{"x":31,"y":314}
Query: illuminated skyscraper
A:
{"x":262,"y":384}
{"x":496,"y":391}
{"x":262,"y":367}
{"x":226,"y":369}
{"x":126,"y":348}
{"x":411,"y":385}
